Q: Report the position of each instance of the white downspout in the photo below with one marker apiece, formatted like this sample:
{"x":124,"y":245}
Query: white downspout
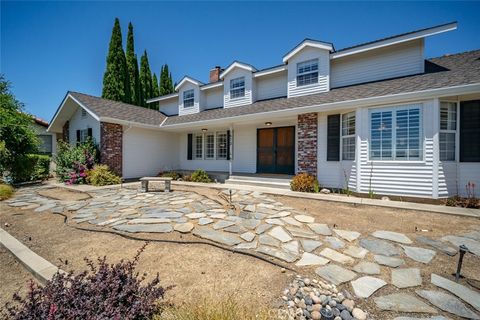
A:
{"x":230,"y":143}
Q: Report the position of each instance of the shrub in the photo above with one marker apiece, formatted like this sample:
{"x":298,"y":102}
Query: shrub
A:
{"x":200,"y":176}
{"x":304,"y":182}
{"x":31,"y":167}
{"x":74,"y":160}
{"x":6,"y":191}
{"x":101,"y":175}
{"x":171,"y":174}
{"x":103,"y":291}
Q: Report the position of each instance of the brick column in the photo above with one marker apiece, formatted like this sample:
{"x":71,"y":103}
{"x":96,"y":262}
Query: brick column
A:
{"x":307,"y":136}
{"x":111,"y":137}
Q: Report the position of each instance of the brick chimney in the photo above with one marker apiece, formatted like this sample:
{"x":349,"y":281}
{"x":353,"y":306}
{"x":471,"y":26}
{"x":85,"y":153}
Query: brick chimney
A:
{"x":215,"y":74}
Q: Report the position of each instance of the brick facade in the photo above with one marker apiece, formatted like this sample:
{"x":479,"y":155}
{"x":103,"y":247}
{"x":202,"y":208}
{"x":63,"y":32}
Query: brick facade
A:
{"x":307,"y":136}
{"x":111,"y":146}
{"x":66,"y":132}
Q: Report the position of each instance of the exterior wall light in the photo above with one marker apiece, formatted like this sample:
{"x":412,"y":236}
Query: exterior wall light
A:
{"x":268,"y":123}
{"x":204,"y":130}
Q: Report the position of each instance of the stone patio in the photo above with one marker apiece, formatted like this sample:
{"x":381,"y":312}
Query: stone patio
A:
{"x":260,"y":224}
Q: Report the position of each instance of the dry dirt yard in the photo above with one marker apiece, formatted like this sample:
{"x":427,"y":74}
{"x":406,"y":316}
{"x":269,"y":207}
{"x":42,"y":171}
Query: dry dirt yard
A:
{"x":199,"y":270}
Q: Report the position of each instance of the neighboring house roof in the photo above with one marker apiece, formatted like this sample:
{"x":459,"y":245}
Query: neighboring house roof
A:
{"x":446,"y":71}
{"x":40,"y":121}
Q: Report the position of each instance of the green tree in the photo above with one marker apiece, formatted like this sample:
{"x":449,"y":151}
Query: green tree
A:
{"x":166,"y":83}
{"x":145,"y":79}
{"x":116,"y":84}
{"x":17,"y":136}
{"x":132,"y":68}
{"x":138,"y":87}
{"x":155,"y":90}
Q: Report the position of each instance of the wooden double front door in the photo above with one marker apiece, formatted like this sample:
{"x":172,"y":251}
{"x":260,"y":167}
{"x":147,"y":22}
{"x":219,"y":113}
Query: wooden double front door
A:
{"x":276,"y":150}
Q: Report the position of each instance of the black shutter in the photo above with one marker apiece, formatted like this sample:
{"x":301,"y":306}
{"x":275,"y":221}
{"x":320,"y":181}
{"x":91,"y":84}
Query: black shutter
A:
{"x":333,"y":138}
{"x":89,"y":133}
{"x":189,"y":146}
{"x":78,"y":136}
{"x":470,"y":131}
{"x":228,"y":144}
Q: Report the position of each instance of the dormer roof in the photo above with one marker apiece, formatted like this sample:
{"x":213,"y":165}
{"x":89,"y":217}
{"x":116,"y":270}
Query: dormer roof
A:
{"x":188,"y":79}
{"x":307,"y":43}
{"x":237,"y":64}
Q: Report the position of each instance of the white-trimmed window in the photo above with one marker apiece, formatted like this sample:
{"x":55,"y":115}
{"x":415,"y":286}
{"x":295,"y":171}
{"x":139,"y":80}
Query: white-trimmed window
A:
{"x":395,"y":133}
{"x":210,"y":146}
{"x":83,"y":135}
{"x":198,"y":146}
{"x":307,"y":72}
{"x":188,"y":98}
{"x":222,"y":145}
{"x":448,"y":130}
{"x":237,"y":88}
{"x":348,"y":136}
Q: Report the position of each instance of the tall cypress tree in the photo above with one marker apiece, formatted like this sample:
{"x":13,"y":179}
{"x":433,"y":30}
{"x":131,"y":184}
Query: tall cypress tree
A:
{"x":171,"y":87}
{"x":132,"y":67}
{"x":115,"y":79}
{"x":166,"y":84}
{"x":155,"y":89}
{"x":138,"y":85}
{"x":145,"y":78}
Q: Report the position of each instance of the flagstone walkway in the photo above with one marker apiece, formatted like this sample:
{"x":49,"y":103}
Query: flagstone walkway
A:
{"x":261,"y":224}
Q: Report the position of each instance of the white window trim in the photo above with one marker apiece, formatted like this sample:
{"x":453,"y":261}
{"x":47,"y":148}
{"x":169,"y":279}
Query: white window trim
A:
{"x":214,"y":145}
{"x":195,"y":135}
{"x":354,"y":135}
{"x":393,"y":108}
{"x":297,"y":74}
{"x":193,"y":98}
{"x":456,"y":131}
{"x":244,"y":89}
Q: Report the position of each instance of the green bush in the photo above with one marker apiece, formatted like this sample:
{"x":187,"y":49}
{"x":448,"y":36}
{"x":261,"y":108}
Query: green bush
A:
{"x":6,"y":191}
{"x":31,"y":167}
{"x":73,"y":160}
{"x":101,"y":175}
{"x":200,"y":176}
{"x":304,"y":182}
{"x":171,"y":174}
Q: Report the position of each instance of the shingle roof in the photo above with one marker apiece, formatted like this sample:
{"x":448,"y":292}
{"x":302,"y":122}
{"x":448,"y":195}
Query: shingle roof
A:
{"x":445,"y":71}
{"x":119,"y":110}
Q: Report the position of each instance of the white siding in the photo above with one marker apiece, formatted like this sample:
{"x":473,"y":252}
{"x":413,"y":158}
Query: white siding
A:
{"x":213,"y":98}
{"x":456,"y":175}
{"x":393,"y":61}
{"x":271,"y":86}
{"x":323,"y":84}
{"x":169,"y":106}
{"x":196,"y":105}
{"x":77,"y":122}
{"x":147,"y":152}
{"x":248,"y":98}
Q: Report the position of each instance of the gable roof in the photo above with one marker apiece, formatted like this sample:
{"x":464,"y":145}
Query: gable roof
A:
{"x":447,"y":71}
{"x":188,"y":79}
{"x":237,"y":64}
{"x":307,"y":43}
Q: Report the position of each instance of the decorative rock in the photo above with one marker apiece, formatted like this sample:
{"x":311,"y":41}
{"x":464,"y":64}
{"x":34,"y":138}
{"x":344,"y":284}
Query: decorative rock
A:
{"x":472,"y":245}
{"x":349,"y":304}
{"x":439,"y":245}
{"x":336,"y":256}
{"x":276,"y":222}
{"x":335,"y":274}
{"x":204,"y":221}
{"x":347,"y":235}
{"x":183,"y":227}
{"x":402,"y":302}
{"x":392,"y":236}
{"x":279,"y":254}
{"x":431,"y":318}
{"x":388,"y":261}
{"x":364,"y":287}
{"x":196,"y":215}
{"x":475,"y":235}
{"x":246,"y":245}
{"x":45,"y":207}
{"x":235,"y":229}
{"x":149,"y":221}
{"x":335,"y":243}
{"x":319,"y":228}
{"x":464,"y":293}
{"x":280,"y":234}
{"x":345,"y":315}
{"x":262,"y":228}
{"x":248,"y":236}
{"x":310,"y":245}
{"x":356,"y":252}
{"x":309,"y":259}
{"x":315,"y":315}
{"x":154,"y":228}
{"x":268,"y":240}
{"x":304,"y":218}
{"x":367,"y":268}
{"x":222,"y":224}
{"x":379,"y":247}
{"x":217,"y":236}
{"x":291,"y":221}
{"x":301,"y":233}
{"x":250,"y":223}
{"x":291,"y":246}
{"x":325,"y":191}
{"x":359,"y":314}
{"x":250,"y":208}
{"x":405,"y":278}
{"x":419,"y":254}
{"x":448,"y":303}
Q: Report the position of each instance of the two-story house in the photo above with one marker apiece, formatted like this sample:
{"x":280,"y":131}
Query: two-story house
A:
{"x":376,"y":117}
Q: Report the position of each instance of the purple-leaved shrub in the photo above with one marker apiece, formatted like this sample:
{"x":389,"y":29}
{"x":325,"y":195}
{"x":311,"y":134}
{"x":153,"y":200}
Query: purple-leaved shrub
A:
{"x":103,"y":291}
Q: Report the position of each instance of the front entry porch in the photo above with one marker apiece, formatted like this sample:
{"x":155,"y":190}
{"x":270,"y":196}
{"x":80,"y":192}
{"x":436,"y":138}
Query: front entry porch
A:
{"x":276,"y":150}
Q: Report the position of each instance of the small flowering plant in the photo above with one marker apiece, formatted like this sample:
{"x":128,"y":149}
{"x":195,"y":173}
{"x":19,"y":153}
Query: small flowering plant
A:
{"x":75,"y":161}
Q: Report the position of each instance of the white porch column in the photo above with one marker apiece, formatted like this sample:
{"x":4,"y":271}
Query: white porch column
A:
{"x":359,"y":127}
{"x":230,"y":143}
{"x":436,"y":145}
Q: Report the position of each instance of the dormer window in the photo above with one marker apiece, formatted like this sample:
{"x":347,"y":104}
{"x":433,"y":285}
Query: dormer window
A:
{"x":307,"y":72}
{"x":237,"y":88}
{"x":188,"y":98}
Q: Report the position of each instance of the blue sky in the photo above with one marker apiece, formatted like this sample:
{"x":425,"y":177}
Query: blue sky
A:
{"x":48,"y":48}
